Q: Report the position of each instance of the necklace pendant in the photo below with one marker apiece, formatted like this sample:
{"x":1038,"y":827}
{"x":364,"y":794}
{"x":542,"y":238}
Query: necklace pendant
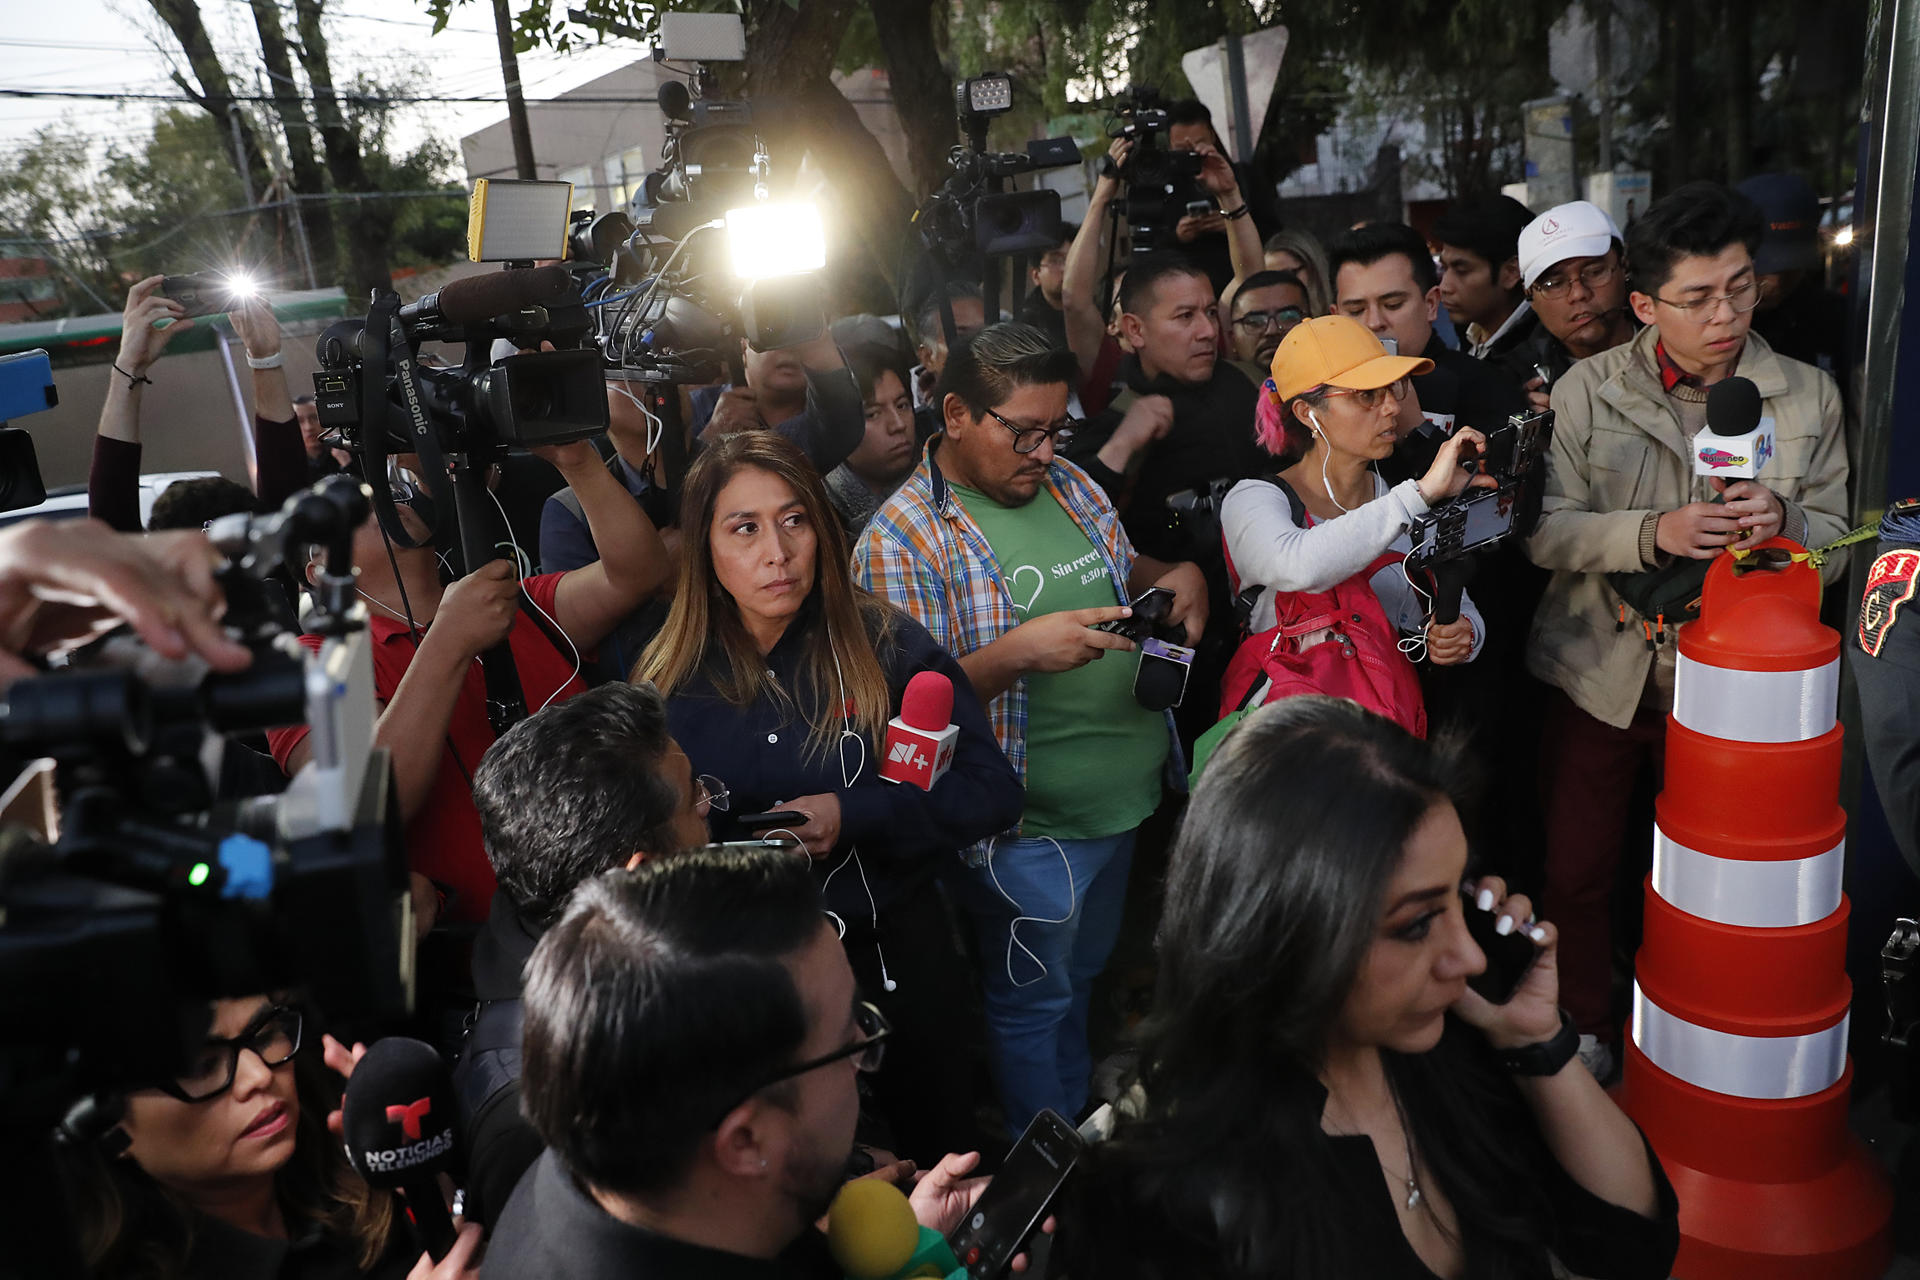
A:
{"x":1413,"y":1194}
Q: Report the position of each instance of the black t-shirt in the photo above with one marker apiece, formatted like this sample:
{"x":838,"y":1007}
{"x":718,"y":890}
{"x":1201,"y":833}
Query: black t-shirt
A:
{"x":222,"y":1252}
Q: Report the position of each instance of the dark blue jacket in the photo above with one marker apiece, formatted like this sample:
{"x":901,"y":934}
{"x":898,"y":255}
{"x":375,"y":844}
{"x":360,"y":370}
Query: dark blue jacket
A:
{"x":901,"y":832}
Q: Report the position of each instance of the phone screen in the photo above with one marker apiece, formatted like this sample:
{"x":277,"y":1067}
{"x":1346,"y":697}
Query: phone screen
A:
{"x":1489,"y":517}
{"x":1016,"y":1201}
{"x":1509,"y":956}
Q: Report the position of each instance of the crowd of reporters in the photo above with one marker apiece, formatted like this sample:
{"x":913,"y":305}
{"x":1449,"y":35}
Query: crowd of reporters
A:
{"x":670,"y":1054}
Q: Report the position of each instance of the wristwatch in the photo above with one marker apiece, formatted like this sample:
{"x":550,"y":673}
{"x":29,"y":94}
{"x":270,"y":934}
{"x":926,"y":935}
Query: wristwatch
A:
{"x":1543,"y":1057}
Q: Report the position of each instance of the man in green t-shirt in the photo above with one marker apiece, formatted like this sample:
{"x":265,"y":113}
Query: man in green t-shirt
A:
{"x":1010,"y":556}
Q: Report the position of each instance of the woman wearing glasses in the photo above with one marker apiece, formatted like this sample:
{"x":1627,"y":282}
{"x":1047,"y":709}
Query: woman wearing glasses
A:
{"x":227,"y":1170}
{"x":780,"y":676}
{"x":1329,"y":413}
{"x":1325,"y":1095}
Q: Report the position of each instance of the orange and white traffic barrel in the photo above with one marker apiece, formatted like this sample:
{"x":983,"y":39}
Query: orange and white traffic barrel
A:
{"x":1737,"y":1064}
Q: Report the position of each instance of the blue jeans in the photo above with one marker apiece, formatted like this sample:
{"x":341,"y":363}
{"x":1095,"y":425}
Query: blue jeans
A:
{"x":1041,"y":948}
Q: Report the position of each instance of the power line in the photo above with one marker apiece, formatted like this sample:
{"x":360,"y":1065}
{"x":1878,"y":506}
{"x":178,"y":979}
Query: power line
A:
{"x":360,"y":99}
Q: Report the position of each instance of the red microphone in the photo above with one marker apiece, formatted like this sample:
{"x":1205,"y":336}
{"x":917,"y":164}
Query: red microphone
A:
{"x":920,"y":740}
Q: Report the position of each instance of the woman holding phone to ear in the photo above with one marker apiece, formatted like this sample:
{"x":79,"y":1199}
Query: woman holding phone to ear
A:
{"x":1329,"y":413}
{"x":1324,"y":1096}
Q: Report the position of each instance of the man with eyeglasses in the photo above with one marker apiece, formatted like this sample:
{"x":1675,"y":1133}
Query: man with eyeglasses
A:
{"x":1045,"y":305}
{"x":693,"y":1036}
{"x":1573,"y":265}
{"x":1010,"y":556}
{"x":1621,"y":498}
{"x":1265,"y":308}
{"x":587,"y":785}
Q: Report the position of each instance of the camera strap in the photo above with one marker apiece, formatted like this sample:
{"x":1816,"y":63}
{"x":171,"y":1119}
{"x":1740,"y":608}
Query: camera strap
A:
{"x":426,"y":441}
{"x":376,"y":414}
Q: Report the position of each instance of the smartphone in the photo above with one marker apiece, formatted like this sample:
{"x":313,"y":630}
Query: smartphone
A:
{"x":1150,"y":609}
{"x":776,"y":843}
{"x":1015,"y":1203}
{"x":201,"y":294}
{"x":772,"y":820}
{"x":1199,"y":208}
{"x":1509,"y":957}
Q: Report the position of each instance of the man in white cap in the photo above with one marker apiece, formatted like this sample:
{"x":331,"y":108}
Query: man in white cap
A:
{"x":1572,"y":265}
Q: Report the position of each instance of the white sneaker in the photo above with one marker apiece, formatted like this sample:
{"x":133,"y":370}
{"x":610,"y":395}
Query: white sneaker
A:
{"x":1597,"y":1056}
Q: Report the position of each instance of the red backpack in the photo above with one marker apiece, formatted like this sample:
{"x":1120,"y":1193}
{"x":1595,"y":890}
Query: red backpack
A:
{"x":1359,"y":659}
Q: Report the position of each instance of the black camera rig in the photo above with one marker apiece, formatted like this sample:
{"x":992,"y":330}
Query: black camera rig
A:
{"x":1158,"y":182}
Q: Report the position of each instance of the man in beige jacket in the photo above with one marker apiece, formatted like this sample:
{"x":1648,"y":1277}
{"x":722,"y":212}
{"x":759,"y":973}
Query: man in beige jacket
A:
{"x":1621,"y":496}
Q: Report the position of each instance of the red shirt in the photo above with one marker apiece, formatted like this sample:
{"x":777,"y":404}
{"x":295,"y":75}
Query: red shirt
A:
{"x":443,"y":840}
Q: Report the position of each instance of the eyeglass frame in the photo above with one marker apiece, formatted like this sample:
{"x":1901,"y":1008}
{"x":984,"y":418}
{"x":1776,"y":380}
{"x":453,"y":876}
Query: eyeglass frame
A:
{"x":1060,"y":435}
{"x":234,"y":1044}
{"x":1712,"y":302}
{"x":706,"y":799}
{"x":875,"y":1043}
{"x":1267,"y":318}
{"x":1360,"y":394}
{"x":1608,"y":265}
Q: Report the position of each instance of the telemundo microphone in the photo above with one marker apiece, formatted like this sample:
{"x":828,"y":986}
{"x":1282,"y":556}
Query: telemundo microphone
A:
{"x":1737,"y":440}
{"x":399,"y":1118}
{"x":921,"y":739}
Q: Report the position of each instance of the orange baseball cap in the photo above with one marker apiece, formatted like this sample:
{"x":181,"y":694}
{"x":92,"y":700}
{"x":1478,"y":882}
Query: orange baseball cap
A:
{"x":1337,"y":351}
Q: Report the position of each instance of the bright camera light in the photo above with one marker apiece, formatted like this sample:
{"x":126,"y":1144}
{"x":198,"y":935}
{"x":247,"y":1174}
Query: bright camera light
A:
{"x":776,"y":240}
{"x":512,"y":221}
{"x":1843,"y":237}
{"x":987,"y":95}
{"x":243,"y":287}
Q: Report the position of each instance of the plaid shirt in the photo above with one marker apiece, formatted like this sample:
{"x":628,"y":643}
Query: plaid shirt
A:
{"x":1671,"y":374}
{"x":923,"y":553}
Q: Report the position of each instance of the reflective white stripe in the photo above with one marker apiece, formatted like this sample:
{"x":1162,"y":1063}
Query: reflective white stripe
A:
{"x":1739,"y":1066}
{"x":1755,"y":895}
{"x":1755,"y":706}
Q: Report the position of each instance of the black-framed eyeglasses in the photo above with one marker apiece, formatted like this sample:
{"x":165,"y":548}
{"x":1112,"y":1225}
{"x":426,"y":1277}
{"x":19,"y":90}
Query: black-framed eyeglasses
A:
{"x":1595,"y":275}
{"x":1027,"y":439}
{"x":1370,"y":398}
{"x":1260,"y":321}
{"x":867,"y":1052}
{"x":273,"y":1037}
{"x":710,"y":793}
{"x":1742,"y":298}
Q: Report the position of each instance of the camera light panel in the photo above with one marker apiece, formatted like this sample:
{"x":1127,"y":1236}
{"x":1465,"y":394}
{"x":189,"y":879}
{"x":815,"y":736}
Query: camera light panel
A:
{"x":515,"y":221}
{"x":776,"y":240}
{"x":989,"y":95}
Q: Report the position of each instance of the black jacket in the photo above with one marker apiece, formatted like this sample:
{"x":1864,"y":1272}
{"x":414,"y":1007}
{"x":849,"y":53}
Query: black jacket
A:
{"x":1466,"y":392}
{"x":500,"y":1144}
{"x":1887,"y":664}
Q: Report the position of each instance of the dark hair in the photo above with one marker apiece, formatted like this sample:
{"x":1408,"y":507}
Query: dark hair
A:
{"x":1191,"y":111}
{"x":1143,"y":279}
{"x":657,"y":1002}
{"x":1364,"y":246}
{"x":574,"y":790}
{"x":303,"y":399}
{"x":1701,"y":219}
{"x":1268,"y":280}
{"x":190,"y":504}
{"x":1273,"y":900}
{"x":926,"y":316}
{"x":985,"y":371}
{"x":869,"y":360}
{"x":131,"y":1226}
{"x":1489,"y":228}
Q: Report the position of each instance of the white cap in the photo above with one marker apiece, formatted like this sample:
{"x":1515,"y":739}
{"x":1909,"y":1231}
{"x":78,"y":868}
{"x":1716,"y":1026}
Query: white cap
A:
{"x":1577,"y":230}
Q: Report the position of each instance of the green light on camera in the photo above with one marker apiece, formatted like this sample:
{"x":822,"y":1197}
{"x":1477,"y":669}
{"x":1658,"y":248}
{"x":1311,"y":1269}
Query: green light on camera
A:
{"x":198,"y":875}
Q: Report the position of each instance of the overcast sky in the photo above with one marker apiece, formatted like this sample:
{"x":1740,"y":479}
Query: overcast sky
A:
{"x":110,"y":46}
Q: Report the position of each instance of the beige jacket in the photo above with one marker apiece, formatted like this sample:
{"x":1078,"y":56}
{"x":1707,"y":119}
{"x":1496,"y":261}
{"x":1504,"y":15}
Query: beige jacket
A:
{"x":1619,"y":453}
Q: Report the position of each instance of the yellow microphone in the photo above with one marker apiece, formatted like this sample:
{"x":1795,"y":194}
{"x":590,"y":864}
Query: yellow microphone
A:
{"x":873,"y":1235}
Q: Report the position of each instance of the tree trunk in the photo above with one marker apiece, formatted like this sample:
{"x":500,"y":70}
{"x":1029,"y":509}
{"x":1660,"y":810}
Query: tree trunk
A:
{"x":214,"y":94}
{"x":922,"y":89}
{"x":309,"y":176}
{"x":1601,"y":11}
{"x":364,"y":224}
{"x":1680,"y":73}
{"x":517,"y":123}
{"x":1737,"y":33}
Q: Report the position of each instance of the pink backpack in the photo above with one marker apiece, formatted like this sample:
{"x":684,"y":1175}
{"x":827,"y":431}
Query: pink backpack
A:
{"x":1359,"y":659}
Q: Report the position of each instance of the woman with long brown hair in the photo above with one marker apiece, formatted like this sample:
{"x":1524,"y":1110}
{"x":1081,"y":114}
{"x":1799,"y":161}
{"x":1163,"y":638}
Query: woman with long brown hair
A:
{"x":780,"y":678}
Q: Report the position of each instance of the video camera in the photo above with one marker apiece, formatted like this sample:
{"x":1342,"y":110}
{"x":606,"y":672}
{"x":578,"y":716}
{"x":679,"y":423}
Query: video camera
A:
{"x":1451,"y":531}
{"x":1160,"y":183}
{"x":150,"y":895}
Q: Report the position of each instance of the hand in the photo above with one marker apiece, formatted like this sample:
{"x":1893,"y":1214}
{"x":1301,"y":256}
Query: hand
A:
{"x":1446,"y":476}
{"x":577,"y":456}
{"x":1189,"y":587}
{"x":943,"y":1195}
{"x":1538,"y":398}
{"x":1217,"y":176}
{"x":1699,"y":530}
{"x":1192,"y":227}
{"x":1147,"y":419}
{"x":1066,"y":640}
{"x":1449,"y":643}
{"x":257,"y":328}
{"x":1760,"y":511}
{"x":140,"y":343}
{"x":459,"y":1263}
{"x":426,"y":903}
{"x":64,"y":583}
{"x":1108,"y":185}
{"x":737,"y":410}
{"x":1533,"y":1014}
{"x":821,"y":832}
{"x":341,"y":1060}
{"x":477,"y":612}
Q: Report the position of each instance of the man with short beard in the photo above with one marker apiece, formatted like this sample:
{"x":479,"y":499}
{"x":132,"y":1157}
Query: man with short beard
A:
{"x":1573,"y":265}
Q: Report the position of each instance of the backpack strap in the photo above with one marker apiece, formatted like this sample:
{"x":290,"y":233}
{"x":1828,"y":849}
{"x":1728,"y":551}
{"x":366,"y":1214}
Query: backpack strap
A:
{"x":1247,"y":597}
{"x":490,"y":1059}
